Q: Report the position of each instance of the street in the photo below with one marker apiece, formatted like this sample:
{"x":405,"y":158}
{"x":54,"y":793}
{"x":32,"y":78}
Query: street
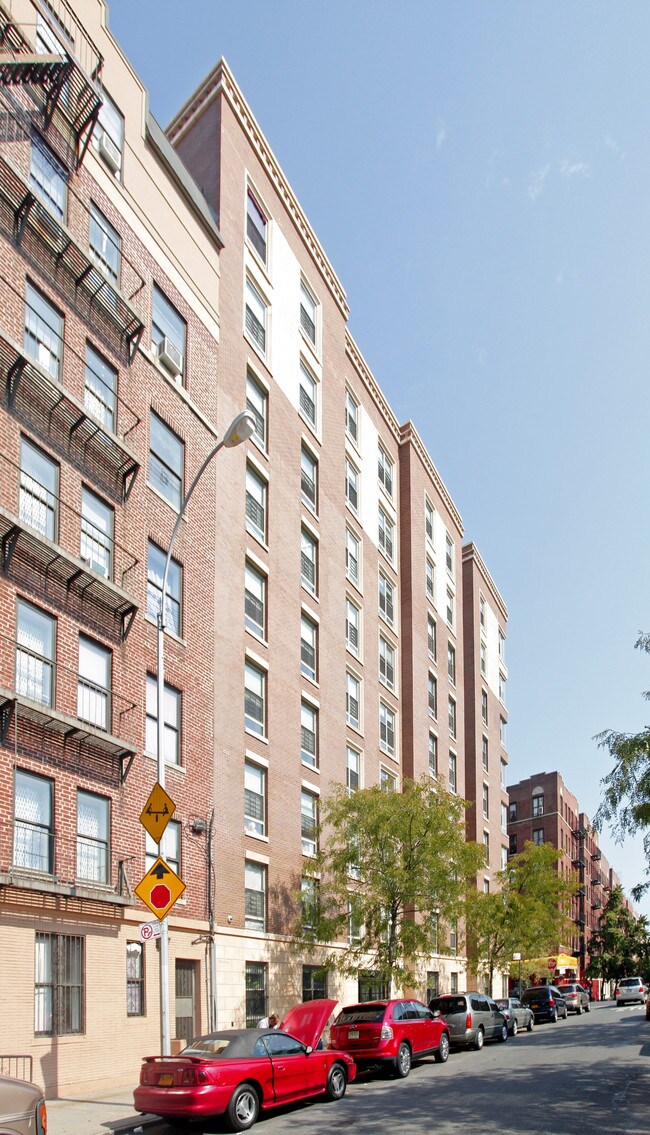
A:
{"x":578,"y":1077}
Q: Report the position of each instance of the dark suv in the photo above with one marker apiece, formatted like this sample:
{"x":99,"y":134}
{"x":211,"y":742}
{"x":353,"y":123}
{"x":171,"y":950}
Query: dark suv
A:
{"x":546,"y":1001}
{"x":392,"y":1033}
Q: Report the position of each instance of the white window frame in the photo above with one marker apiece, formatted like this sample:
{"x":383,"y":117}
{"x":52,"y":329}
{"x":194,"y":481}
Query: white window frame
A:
{"x":387,"y":535}
{"x":254,"y":825}
{"x":308,"y":388}
{"x":385,"y":471}
{"x":387,"y":663}
{"x":309,"y":728}
{"x":256,"y":318}
{"x":387,"y":726}
{"x":355,"y":576}
{"x":352,"y":681}
{"x":257,"y":500}
{"x":308,"y":540}
{"x":352,"y":486}
{"x":387,"y":602}
{"x":352,"y":417}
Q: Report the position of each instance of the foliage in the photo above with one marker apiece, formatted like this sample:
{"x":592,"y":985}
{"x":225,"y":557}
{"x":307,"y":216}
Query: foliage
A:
{"x":626,"y":803}
{"x":529,"y":915}
{"x":621,"y":944}
{"x":393,"y":868}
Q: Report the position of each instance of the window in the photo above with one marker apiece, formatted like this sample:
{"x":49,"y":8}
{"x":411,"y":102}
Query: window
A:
{"x":502,"y":687}
{"x":100,"y":396}
{"x":484,"y":707}
{"x":96,"y":544}
{"x":351,"y":417}
{"x":352,"y":625}
{"x":58,"y":985}
{"x":504,"y":858}
{"x":538,"y":835}
{"x":255,"y":317}
{"x":308,"y":648}
{"x":309,"y":902}
{"x":39,"y":490}
{"x":451,"y":603}
{"x":386,"y":599}
{"x":254,"y":799}
{"x":386,"y":663}
{"x":504,"y":817}
{"x":308,"y":395}
{"x":452,"y":717}
{"x":174,"y":589}
{"x":314,"y":983}
{"x":352,"y":486}
{"x":108,"y":136}
{"x":354,"y":925}
{"x":309,"y":822}
{"x":352,"y":557}
{"x":255,"y":699}
{"x":135,"y":979}
{"x":93,"y":829}
{"x":256,"y":226}
{"x":166,"y":460}
{"x":386,"y":728}
{"x":48,"y":178}
{"x":485,"y":753}
{"x":353,"y":701}
{"x":254,"y":601}
{"x":481,"y":612}
{"x":308,"y":314}
{"x":33,"y":822}
{"x":430,"y":571}
{"x":431,"y":636}
{"x":538,"y":804}
{"x":428,"y":520}
{"x":387,"y":780}
{"x":486,"y":886}
{"x":486,"y":845}
{"x":433,"y":754}
{"x":35,"y":654}
{"x":386,"y":535}
{"x":483,"y":652}
{"x":453,"y":939}
{"x":433,"y":695}
{"x":168,"y":334}
{"x":94,"y":684}
{"x":502,"y":645}
{"x":256,"y":993}
{"x":308,"y":561}
{"x":486,"y":802}
{"x":453,"y":979}
{"x":433,"y":985}
{"x":172,"y":701}
{"x":257,"y":401}
{"x":504,"y":773}
{"x":308,"y":735}
{"x":512,"y":845}
{"x":170,"y":847}
{"x":449,"y":554}
{"x":255,"y":896}
{"x":352,"y":770}
{"x":43,"y":340}
{"x":256,"y":494}
{"x":451,"y":663}
{"x":385,"y":470}
{"x":104,"y":245}
{"x":512,"y":811}
{"x":452,"y":772}
{"x":309,"y":479}
{"x":502,"y":731}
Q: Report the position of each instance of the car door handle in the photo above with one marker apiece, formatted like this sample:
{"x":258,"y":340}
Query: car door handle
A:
{"x":280,"y":1067}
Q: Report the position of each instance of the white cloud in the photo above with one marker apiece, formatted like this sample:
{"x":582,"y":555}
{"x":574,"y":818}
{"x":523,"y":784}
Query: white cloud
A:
{"x":613,"y":145}
{"x":441,"y":134}
{"x":570,"y":169}
{"x":537,"y":183}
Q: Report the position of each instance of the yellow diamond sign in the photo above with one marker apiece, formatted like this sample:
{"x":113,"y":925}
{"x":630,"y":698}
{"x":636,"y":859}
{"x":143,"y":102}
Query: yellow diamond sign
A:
{"x":157,"y":812}
{"x":160,"y":888}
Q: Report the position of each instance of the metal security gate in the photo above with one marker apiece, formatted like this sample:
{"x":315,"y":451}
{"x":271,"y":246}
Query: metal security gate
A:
{"x":185,"y":999}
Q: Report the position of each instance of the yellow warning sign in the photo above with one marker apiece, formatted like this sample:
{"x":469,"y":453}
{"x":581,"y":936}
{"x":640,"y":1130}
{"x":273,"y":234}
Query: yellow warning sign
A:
{"x":160,"y":888}
{"x":157,"y":812}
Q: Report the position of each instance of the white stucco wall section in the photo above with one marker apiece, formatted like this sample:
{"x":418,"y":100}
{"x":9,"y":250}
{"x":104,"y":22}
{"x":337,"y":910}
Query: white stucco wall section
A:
{"x":494,"y":664}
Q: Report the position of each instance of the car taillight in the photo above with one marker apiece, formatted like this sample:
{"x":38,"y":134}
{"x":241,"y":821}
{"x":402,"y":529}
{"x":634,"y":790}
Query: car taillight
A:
{"x":189,"y":1076}
{"x":616,"y":992}
{"x":551,"y":1001}
{"x":468,"y":1021}
{"x":42,"y":1119}
{"x":386,"y":1032}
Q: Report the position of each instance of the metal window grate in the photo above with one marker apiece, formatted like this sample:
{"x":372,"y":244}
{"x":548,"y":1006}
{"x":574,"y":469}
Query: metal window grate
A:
{"x":255,"y":329}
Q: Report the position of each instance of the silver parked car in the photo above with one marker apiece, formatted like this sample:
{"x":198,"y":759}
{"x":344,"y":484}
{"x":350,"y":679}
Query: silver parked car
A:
{"x":22,"y":1108}
{"x":630,"y":989}
{"x":517,"y":1016}
{"x":471,"y":1018}
{"x":576,"y":997}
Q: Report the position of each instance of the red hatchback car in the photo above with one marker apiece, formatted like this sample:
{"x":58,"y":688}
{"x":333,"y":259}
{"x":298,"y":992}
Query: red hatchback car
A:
{"x":393,"y":1033}
{"x":241,"y":1072}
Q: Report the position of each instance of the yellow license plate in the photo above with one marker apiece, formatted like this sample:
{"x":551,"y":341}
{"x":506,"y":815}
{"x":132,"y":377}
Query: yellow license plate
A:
{"x":165,"y":1080}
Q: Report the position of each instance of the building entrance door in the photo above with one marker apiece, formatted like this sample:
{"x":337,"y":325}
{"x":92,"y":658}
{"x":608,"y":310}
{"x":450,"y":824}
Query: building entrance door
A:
{"x":185,"y":999}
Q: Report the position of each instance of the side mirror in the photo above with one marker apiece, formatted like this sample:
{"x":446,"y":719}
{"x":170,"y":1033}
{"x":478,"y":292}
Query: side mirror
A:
{"x":309,"y":1050}
{"x":436,"y":1012}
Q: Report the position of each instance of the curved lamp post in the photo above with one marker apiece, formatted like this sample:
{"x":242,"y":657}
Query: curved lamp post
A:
{"x":240,"y":429}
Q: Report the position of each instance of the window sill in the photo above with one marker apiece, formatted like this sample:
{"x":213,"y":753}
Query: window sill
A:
{"x":166,"y":500}
{"x":312,"y":768}
{"x":261,"y":355}
{"x":170,"y":766}
{"x":258,"y":637}
{"x":310,"y":593}
{"x":313,"y":348}
{"x":312,"y":427}
{"x":170,"y":634}
{"x":258,"y":537}
{"x":258,"y":736}
{"x":355,"y":728}
{"x":256,"y":835}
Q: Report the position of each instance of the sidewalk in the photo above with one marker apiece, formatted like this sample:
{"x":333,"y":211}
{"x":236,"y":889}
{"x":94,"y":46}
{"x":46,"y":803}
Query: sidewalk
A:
{"x":97,"y":1115}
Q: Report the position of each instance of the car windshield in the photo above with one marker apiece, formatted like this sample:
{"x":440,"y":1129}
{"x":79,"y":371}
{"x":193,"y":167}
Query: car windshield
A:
{"x":535,"y":994}
{"x":568,"y":989}
{"x":630,"y":981}
{"x":503,"y":1003}
{"x":448,"y":1005}
{"x":361,"y":1014}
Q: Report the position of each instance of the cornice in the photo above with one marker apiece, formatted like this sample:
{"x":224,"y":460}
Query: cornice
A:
{"x":471,"y":552}
{"x":409,"y":435}
{"x":372,"y":386}
{"x":221,"y":81}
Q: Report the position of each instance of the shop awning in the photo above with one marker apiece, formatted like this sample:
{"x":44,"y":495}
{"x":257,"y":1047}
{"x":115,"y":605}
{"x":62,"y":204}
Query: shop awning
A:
{"x":562,"y":962}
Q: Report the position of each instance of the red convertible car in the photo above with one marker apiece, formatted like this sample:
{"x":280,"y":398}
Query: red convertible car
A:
{"x":242,"y":1071}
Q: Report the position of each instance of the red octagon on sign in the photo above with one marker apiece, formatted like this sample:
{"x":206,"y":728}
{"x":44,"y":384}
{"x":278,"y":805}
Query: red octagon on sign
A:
{"x":551,"y":964}
{"x":160,"y":896}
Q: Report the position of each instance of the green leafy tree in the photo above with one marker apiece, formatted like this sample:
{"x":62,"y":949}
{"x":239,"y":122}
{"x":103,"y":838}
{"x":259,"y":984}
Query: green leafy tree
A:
{"x":529,"y":915}
{"x":393,"y":869}
{"x":621,"y":943}
{"x":626,"y":802}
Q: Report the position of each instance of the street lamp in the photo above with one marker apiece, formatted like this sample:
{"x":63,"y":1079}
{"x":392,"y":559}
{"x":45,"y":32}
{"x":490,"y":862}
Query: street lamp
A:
{"x":517,"y":958}
{"x":240,"y":429}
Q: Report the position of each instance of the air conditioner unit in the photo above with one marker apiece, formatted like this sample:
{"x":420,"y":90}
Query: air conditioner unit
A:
{"x":170,"y":356}
{"x":96,"y":565}
{"x":110,"y":152}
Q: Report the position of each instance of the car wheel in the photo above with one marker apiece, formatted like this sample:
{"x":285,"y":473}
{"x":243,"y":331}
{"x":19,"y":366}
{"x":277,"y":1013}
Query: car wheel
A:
{"x":337,"y":1082}
{"x":554,"y":1017}
{"x":243,"y":1108}
{"x":531,"y":1025}
{"x":579,"y":1010}
{"x":503,"y":1035}
{"x":588,"y":1007}
{"x":478,"y":1043}
{"x":515,"y":1027}
{"x":441,"y":1055}
{"x":403,"y":1061}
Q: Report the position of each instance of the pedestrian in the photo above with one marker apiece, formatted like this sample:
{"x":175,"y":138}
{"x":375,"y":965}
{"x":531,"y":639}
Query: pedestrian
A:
{"x":270,"y":1022}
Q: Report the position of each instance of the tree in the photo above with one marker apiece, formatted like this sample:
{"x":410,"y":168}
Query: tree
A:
{"x":393,"y":869}
{"x":620,"y":945}
{"x":626,"y":803}
{"x":528,"y":915}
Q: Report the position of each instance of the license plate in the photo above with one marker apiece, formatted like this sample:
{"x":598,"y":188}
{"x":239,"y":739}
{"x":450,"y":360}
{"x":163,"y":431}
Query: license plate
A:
{"x":534,"y":1004}
{"x":353,"y":1034}
{"x":166,"y":1079}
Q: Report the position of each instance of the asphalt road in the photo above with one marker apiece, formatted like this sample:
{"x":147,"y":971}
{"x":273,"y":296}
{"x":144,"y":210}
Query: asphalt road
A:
{"x":584,"y":1076}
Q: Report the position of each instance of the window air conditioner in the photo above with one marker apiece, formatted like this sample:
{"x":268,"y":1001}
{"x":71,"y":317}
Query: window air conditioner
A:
{"x":170,"y":356}
{"x":109,"y":152}
{"x":96,"y":566}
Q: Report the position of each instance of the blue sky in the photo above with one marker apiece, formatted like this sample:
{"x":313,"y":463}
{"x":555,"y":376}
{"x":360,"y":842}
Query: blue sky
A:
{"x":478,"y":174}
